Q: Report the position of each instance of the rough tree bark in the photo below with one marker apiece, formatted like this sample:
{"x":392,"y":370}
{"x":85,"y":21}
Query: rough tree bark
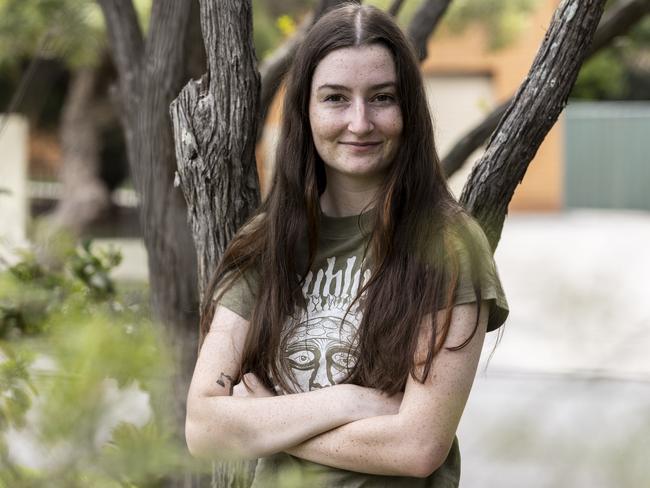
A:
{"x":84,"y":197}
{"x":215,"y":137}
{"x":534,"y":110}
{"x":215,"y":122}
{"x":617,"y":20}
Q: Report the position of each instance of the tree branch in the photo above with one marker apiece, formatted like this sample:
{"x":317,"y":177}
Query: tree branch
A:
{"x":536,"y":106}
{"x":424,"y":22}
{"x":124,"y":35}
{"x":616,"y":21}
{"x":395,"y":7}
{"x":472,"y":140}
{"x":325,"y":6}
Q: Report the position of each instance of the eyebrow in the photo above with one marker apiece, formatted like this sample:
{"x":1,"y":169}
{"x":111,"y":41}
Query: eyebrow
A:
{"x":379,"y":86}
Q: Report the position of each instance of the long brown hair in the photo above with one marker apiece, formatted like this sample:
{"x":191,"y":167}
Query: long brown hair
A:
{"x":410,"y":249}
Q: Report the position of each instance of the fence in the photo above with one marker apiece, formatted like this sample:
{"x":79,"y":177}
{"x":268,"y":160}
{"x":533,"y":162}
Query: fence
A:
{"x":607,"y":158}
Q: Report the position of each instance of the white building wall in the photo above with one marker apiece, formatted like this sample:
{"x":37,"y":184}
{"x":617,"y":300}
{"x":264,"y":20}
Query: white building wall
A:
{"x":457,"y":104}
{"x":13,"y":180}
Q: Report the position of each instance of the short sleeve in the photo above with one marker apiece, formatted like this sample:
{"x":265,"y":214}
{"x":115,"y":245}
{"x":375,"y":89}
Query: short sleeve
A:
{"x":239,"y":297}
{"x":491,"y":288}
{"x":240,"y":294}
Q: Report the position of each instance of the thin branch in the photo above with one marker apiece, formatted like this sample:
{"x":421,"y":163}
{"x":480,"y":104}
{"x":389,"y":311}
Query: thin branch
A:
{"x":424,"y":23}
{"x":616,"y":21}
{"x":325,"y":6}
{"x":124,"y":34}
{"x":472,"y":140}
{"x":395,"y":7}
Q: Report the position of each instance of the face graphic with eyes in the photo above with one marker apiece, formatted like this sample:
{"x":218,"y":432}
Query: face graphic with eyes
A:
{"x":318,"y":352}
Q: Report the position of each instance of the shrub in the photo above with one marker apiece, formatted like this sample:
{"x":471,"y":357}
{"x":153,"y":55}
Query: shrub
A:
{"x":84,"y":378}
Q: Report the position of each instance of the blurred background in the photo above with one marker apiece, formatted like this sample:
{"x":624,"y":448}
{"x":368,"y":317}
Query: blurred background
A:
{"x":564,"y":400}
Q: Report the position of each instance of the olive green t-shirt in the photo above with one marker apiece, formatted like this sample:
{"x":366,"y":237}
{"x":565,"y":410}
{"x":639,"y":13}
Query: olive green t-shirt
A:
{"x":319,"y":341}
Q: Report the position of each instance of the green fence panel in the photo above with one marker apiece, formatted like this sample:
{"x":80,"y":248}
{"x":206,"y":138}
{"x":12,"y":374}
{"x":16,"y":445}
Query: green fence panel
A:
{"x":607,"y":155}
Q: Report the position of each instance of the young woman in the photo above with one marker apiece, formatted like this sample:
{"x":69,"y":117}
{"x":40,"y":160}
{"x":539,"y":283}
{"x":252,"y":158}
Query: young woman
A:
{"x":349,"y":312}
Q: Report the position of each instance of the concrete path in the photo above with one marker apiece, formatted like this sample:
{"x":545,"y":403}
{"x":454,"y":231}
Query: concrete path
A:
{"x":565,"y":399}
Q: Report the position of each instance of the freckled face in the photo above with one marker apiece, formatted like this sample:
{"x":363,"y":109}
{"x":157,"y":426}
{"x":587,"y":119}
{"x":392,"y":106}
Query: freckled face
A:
{"x":355,"y":117}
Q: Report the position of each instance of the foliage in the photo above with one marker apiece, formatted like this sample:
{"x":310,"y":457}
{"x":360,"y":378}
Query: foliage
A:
{"x":618,"y":71}
{"x":66,"y":29}
{"x":602,"y":77}
{"x":84,"y":379}
{"x":267,"y":33}
{"x":504,"y":21}
{"x":71,"y":30}
{"x":287,"y":25}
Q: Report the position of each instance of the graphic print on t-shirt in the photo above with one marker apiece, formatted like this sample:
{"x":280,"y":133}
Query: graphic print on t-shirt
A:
{"x":319,"y":344}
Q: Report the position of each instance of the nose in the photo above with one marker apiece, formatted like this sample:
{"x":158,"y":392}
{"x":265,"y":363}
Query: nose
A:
{"x":320,"y":377}
{"x":360,"y":119}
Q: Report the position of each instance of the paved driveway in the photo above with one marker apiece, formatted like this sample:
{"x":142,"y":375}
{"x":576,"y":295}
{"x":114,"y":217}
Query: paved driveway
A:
{"x":565,"y":400}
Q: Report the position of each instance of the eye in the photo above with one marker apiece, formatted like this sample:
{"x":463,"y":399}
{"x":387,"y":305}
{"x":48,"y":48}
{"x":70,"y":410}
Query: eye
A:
{"x":302,"y":360}
{"x":341,"y":358}
{"x":384,"y":98}
{"x":333,"y":98}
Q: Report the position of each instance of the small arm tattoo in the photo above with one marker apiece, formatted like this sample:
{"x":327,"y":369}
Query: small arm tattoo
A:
{"x":221,"y":381}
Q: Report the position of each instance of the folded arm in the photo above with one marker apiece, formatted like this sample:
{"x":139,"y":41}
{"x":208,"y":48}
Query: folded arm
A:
{"x":219,"y":424}
{"x":416,"y":440}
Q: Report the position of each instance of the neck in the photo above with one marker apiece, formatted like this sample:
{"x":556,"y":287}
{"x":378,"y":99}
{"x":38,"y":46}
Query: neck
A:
{"x":344,"y":196}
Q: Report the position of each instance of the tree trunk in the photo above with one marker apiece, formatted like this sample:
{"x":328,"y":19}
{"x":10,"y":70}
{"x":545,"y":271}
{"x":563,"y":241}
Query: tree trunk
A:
{"x":150,"y":74}
{"x":85,"y":197}
{"x":215,"y":122}
{"x":215,"y":137}
{"x":616,"y":21}
{"x":534,"y":110}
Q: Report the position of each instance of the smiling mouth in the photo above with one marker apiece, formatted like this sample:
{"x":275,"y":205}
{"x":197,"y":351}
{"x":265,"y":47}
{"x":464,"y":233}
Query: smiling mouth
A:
{"x":361,"y":144}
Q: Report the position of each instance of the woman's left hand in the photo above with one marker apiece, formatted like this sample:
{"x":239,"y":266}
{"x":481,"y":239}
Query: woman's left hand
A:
{"x":257,"y":388}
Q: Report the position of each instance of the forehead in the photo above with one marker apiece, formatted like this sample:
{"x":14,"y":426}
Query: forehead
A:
{"x":355,"y":66}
